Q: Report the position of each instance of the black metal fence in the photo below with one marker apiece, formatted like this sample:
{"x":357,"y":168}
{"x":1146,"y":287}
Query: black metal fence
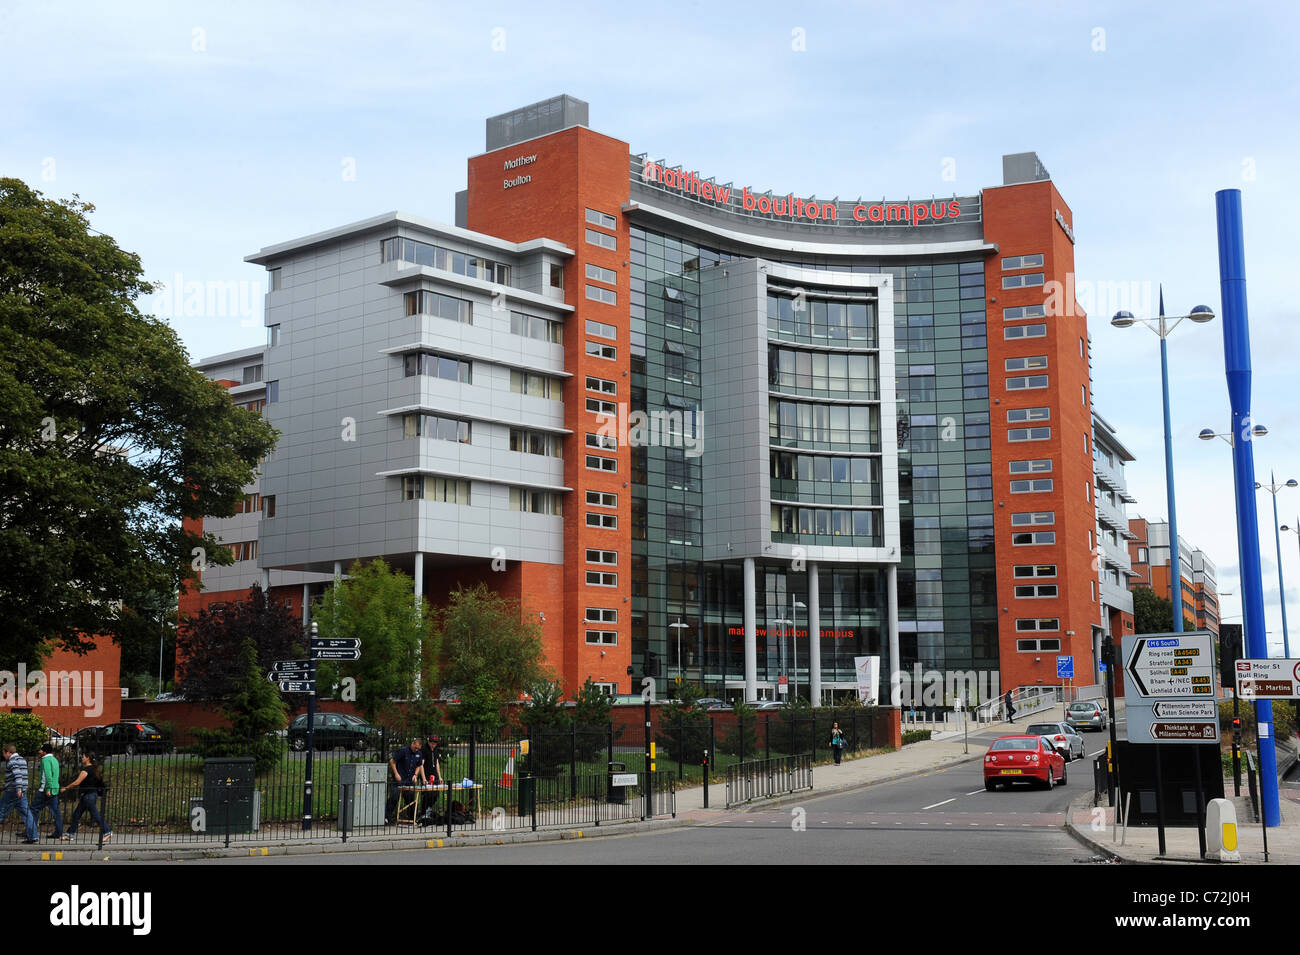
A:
{"x":492,"y":782}
{"x":764,"y":778}
{"x":729,"y":739}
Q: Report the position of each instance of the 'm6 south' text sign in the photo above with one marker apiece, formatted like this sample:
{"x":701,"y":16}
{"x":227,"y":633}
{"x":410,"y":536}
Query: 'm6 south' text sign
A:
{"x":1170,"y":665}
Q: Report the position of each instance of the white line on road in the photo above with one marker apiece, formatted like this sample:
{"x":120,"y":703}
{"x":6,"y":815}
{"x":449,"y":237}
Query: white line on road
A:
{"x":944,"y":803}
{"x":974,"y":792}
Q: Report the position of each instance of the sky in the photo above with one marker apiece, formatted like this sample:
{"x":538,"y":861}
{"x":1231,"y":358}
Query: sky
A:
{"x":205,"y":131}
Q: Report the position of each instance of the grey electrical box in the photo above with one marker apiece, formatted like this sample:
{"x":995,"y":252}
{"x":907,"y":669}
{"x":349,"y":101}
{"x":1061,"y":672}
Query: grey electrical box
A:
{"x":363,"y":794}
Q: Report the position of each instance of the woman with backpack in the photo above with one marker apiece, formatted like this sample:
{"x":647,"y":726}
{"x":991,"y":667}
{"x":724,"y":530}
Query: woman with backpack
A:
{"x":90,"y":784}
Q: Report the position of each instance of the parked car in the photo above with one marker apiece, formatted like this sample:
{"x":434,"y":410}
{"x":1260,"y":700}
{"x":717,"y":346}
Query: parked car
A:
{"x":1087,"y":715}
{"x":331,"y":730}
{"x":128,"y":738}
{"x":60,"y":742}
{"x":1022,"y":758}
{"x":1063,"y":737}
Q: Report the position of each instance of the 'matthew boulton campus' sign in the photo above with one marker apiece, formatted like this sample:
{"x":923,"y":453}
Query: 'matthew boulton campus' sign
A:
{"x":796,"y":207}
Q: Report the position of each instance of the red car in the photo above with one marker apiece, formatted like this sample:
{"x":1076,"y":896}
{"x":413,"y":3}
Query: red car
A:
{"x":1014,"y":758}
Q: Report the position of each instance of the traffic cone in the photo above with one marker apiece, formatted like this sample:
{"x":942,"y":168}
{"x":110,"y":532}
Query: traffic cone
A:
{"x":508,"y":774}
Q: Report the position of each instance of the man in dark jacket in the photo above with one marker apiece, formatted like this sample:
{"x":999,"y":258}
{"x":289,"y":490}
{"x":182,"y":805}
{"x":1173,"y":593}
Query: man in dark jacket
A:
{"x":402,"y":767}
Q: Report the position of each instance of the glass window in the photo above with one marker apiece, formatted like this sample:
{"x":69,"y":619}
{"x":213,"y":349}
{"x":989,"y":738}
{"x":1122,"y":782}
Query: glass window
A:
{"x":599,"y":274}
{"x":602,"y":240}
{"x":598,"y":294}
{"x":602,"y":219}
{"x":601,"y":330}
{"x":1023,"y":280}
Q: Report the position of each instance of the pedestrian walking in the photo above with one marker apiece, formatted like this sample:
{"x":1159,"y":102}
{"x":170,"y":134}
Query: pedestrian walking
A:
{"x":1011,"y":710}
{"x":48,"y":794}
{"x":90,"y":785}
{"x":15,"y":794}
{"x":837,"y":742}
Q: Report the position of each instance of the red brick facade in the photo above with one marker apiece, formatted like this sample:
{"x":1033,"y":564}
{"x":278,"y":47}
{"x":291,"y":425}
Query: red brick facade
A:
{"x":1021,"y":220}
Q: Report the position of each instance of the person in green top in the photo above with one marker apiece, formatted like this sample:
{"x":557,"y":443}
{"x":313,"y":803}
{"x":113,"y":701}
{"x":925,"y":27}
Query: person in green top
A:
{"x":48,"y":794}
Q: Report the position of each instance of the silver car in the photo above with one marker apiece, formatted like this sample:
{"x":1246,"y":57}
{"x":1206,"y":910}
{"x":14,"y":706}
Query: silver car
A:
{"x":1067,"y":742}
{"x":1086,"y":715}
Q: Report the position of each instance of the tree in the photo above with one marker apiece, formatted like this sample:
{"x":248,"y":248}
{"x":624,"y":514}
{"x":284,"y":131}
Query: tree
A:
{"x":255,"y":709}
{"x":682,"y":725}
{"x":1153,"y":614}
{"x":108,"y":438}
{"x":377,"y":605}
{"x":147,"y":626}
{"x":212,"y":643}
{"x":490,"y":653}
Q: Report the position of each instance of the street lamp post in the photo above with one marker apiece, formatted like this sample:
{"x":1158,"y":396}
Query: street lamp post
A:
{"x":795,"y":603}
{"x":1163,"y":326}
{"x":1227,"y":437}
{"x":1273,"y":487}
{"x":679,"y":627}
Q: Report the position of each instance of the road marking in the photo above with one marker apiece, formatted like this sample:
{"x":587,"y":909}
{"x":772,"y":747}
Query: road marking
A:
{"x":974,"y":792}
{"x":944,"y":803}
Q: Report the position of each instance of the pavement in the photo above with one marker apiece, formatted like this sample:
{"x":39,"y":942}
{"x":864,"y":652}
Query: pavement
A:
{"x":1141,"y":844}
{"x":1092,"y":827}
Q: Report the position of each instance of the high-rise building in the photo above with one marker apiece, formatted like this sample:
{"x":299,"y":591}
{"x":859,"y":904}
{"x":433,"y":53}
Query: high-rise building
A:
{"x":1113,"y":534}
{"x":689,"y":424}
{"x":1198,"y":576}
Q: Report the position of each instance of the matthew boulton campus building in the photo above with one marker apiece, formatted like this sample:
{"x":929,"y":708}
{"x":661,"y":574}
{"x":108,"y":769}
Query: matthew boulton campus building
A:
{"x":690,"y":423}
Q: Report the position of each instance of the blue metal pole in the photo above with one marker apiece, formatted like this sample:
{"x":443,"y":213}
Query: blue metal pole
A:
{"x":1175,"y":553}
{"x":1281,"y":590}
{"x":1236,"y":361}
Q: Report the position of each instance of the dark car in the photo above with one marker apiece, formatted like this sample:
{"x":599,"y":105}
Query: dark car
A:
{"x":126,"y":738}
{"x":331,"y":730}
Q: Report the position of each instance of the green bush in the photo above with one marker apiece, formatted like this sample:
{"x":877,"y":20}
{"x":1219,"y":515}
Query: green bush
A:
{"x":222,"y":743}
{"x":741,"y":739}
{"x":1284,"y":718}
{"x":681,"y":727}
{"x":915,"y":736}
{"x":24,"y":730}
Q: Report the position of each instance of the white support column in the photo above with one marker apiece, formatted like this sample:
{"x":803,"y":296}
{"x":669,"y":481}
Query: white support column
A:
{"x":814,"y":637}
{"x":306,"y":606}
{"x":751,"y":635}
{"x":419,"y":595}
{"x":895,"y":664}
{"x":266,"y":580}
{"x":338,"y":572}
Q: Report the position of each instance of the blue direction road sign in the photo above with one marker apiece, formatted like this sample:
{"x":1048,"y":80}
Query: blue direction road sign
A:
{"x":1065,"y":668}
{"x":282,"y":665}
{"x":348,"y":643}
{"x":335,"y":654}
